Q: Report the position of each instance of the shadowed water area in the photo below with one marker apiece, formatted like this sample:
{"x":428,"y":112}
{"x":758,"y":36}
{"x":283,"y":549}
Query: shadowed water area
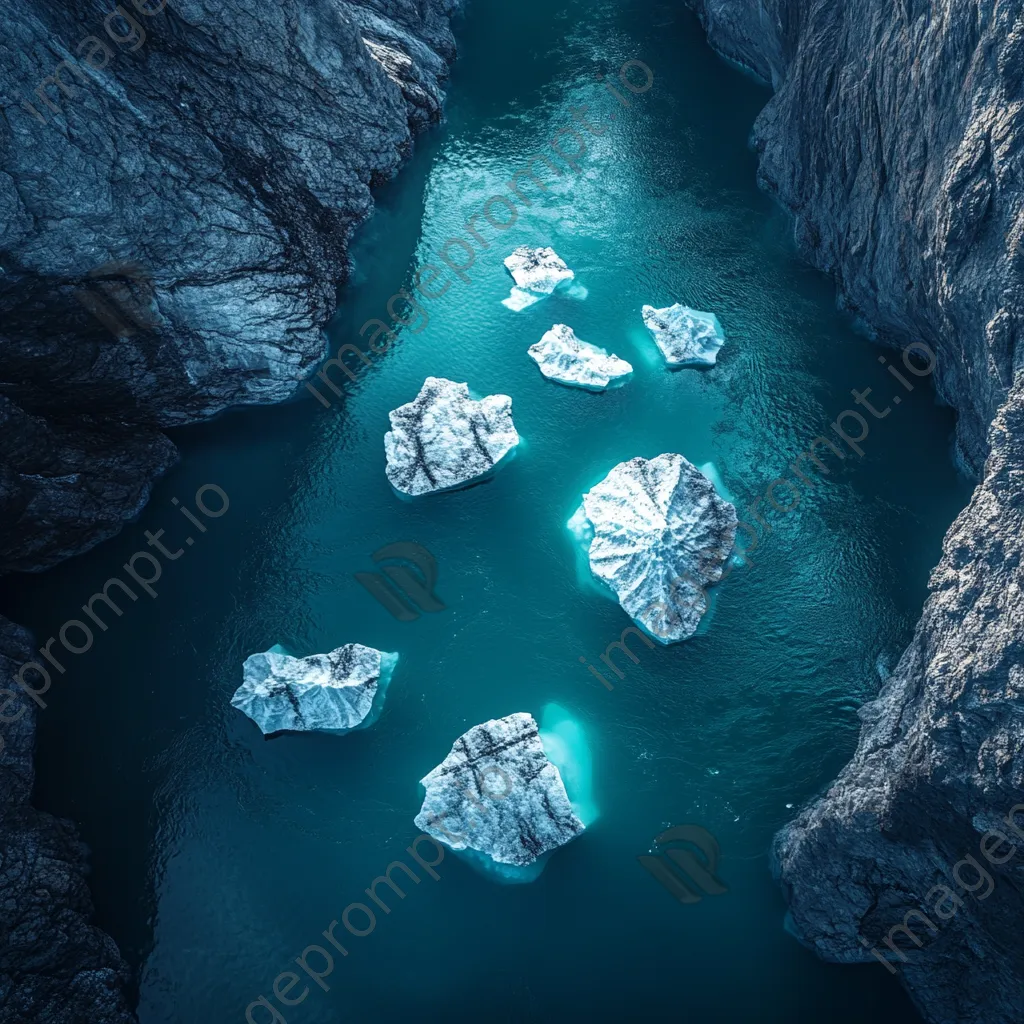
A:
{"x":219,"y":856}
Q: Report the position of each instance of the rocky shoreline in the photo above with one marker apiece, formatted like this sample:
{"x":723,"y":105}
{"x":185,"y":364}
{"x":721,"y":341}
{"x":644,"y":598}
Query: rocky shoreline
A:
{"x":171,"y":181}
{"x":912,"y":198}
{"x":195,"y":178}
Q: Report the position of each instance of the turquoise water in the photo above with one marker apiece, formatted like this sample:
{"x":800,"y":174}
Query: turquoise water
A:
{"x":219,"y":857}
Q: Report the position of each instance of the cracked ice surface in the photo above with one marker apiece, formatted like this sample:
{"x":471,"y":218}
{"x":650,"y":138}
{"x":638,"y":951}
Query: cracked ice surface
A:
{"x":567,"y":359}
{"x":536,"y":272}
{"x":332,"y":692}
{"x":497,"y":794}
{"x":658,"y":534}
{"x":686,"y":337}
{"x":445,"y":438}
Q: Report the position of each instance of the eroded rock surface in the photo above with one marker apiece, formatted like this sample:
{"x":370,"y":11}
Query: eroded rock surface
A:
{"x":657,"y":534}
{"x":55,"y":967}
{"x":896,"y":138}
{"x":445,"y":438}
{"x":567,"y":359}
{"x":497,"y":793}
{"x":334,"y":692}
{"x":176,"y":221}
{"x":940,"y":762}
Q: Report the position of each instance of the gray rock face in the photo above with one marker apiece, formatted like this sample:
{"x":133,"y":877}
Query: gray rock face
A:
{"x":895,"y":136}
{"x":498,"y":794}
{"x":332,"y":692}
{"x":182,"y":210}
{"x":940,"y":762}
{"x":175,"y":213}
{"x":445,"y":438}
{"x":657,"y":534}
{"x":55,"y":967}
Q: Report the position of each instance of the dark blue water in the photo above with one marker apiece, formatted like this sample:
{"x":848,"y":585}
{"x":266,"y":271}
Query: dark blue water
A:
{"x":220,"y":856}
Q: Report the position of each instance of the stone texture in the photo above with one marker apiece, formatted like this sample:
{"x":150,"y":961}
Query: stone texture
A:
{"x":174,"y":222}
{"x":896,"y":137}
{"x":55,"y":967}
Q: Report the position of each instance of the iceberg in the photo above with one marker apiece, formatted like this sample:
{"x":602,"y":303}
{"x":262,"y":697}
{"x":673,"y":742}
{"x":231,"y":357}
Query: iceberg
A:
{"x":565,"y":358}
{"x":686,"y":337}
{"x":335,"y":692}
{"x":499,"y":799}
{"x":445,"y":438}
{"x":656,"y":533}
{"x":536,"y":272}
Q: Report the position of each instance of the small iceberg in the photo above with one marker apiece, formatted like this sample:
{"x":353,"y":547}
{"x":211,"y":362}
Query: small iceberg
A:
{"x":446,"y":439}
{"x":686,"y":337}
{"x":537,"y":273}
{"x":567,"y":359}
{"x":335,"y":692}
{"x":500,"y":800}
{"x":656,"y":533}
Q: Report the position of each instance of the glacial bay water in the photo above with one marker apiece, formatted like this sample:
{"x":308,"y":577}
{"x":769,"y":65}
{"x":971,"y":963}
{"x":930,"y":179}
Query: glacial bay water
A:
{"x":219,"y":856}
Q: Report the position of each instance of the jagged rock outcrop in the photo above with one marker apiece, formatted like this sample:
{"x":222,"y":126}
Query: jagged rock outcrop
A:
{"x":54,"y":965}
{"x":940,"y":762}
{"x":178,"y":188}
{"x":896,"y":138}
{"x":175,"y":208}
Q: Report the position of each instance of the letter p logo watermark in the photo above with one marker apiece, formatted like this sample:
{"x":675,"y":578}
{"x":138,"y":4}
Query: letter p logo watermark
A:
{"x":400,"y":590}
{"x":695,"y":873}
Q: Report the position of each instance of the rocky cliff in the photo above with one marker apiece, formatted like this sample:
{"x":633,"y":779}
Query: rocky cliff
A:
{"x":896,"y":137}
{"x":179,"y":182}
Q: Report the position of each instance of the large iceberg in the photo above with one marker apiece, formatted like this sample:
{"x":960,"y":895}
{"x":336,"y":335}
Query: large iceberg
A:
{"x":335,"y":692}
{"x":536,"y":272}
{"x":686,"y":337}
{"x":445,"y":438}
{"x":498,"y":798}
{"x":565,"y":358}
{"x":657,"y":534}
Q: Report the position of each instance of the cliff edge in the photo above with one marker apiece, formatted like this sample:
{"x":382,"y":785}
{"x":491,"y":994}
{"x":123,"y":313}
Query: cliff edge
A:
{"x":895,"y":136}
{"x":179,"y":182}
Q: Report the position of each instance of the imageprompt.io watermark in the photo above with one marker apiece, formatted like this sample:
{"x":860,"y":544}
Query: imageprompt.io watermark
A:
{"x":403,"y":592}
{"x":679,"y":869}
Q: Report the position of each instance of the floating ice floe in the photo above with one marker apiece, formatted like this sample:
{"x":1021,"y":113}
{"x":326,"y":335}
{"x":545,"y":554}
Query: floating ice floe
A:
{"x":656,"y":533}
{"x":445,"y":438}
{"x":537,"y":273}
{"x":686,"y":337}
{"x":499,"y":799}
{"x":335,"y":692}
{"x":565,"y":358}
